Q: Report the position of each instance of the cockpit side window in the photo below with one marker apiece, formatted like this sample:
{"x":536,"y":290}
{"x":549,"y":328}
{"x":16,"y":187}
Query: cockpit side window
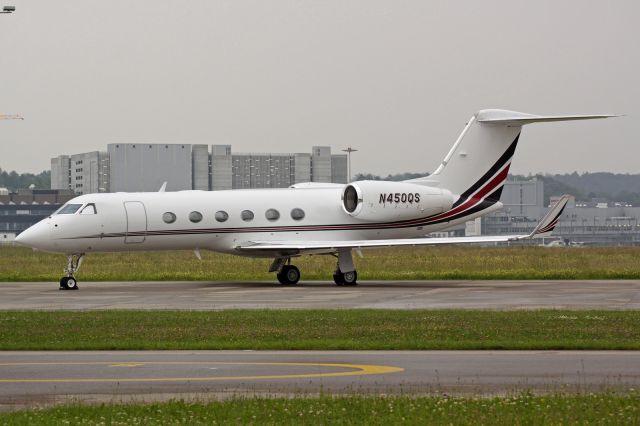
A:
{"x":69,"y":209}
{"x":89,"y":209}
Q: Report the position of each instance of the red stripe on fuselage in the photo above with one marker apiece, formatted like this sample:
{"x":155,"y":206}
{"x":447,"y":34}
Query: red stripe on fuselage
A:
{"x":477,"y":197}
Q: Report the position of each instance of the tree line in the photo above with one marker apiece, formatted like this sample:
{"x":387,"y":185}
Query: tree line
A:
{"x":14,"y":180}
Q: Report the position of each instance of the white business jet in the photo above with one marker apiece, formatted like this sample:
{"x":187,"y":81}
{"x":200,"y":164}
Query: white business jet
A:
{"x":306,"y":218}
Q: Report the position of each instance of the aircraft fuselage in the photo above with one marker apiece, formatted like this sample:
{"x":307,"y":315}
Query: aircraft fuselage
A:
{"x":137,"y":221}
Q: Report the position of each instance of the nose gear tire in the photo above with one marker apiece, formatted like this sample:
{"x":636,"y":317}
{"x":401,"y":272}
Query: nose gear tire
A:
{"x":68,"y":283}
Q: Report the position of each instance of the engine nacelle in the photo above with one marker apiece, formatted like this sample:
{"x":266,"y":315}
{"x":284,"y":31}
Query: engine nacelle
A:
{"x":387,"y":201}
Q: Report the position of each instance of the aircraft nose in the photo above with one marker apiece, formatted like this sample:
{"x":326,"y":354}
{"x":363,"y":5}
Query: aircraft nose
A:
{"x":33,"y":236}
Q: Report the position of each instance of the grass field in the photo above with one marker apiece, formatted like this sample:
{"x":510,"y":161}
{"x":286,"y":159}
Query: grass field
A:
{"x":429,"y":263}
{"x":320,"y":329}
{"x":600,"y":409}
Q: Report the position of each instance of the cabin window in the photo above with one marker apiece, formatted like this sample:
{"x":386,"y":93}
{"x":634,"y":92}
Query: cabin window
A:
{"x":69,"y":209}
{"x":169,"y":217}
{"x":195,"y":217}
{"x":272,"y":214}
{"x":89,"y":209}
{"x":221,"y":216}
{"x":246,"y":215}
{"x":297,"y":214}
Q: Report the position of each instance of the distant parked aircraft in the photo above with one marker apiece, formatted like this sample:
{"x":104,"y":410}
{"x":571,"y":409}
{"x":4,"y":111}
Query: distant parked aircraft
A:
{"x":304,"y":219}
{"x":562,"y":243}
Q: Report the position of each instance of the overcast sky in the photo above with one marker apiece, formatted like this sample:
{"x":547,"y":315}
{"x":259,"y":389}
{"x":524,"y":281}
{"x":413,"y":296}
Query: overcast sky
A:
{"x":395,"y":79}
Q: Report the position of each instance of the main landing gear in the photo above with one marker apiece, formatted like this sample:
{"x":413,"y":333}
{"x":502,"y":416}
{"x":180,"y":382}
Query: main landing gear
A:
{"x":289,"y":274}
{"x":345,"y":273}
{"x":68,"y":282}
{"x":345,"y":278}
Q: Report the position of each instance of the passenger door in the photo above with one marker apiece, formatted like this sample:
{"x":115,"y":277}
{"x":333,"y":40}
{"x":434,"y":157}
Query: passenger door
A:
{"x":136,"y":222}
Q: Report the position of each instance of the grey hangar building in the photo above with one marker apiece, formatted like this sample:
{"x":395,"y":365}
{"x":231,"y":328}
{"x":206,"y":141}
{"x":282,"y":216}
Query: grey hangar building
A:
{"x":144,"y":167}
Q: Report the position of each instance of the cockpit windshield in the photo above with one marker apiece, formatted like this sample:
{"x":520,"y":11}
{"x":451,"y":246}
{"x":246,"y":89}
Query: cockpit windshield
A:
{"x":69,"y":209}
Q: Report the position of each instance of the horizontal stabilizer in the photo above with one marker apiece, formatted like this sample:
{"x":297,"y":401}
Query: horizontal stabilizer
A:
{"x":513,"y":118}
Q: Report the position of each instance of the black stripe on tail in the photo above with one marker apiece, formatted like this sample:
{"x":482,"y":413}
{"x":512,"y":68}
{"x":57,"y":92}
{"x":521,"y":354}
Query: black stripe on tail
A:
{"x":504,"y":158}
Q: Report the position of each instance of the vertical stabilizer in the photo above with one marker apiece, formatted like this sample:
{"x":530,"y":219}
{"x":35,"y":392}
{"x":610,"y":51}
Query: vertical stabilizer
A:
{"x":477,"y":165}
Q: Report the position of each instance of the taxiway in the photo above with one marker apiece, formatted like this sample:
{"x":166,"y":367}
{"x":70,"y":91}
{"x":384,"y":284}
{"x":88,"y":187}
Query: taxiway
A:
{"x":42,"y":378}
{"x":614,"y":294}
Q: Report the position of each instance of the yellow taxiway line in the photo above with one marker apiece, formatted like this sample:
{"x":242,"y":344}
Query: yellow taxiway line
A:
{"x":357,"y":370}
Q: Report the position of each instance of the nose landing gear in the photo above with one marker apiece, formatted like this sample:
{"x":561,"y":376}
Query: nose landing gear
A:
{"x":69,"y":282}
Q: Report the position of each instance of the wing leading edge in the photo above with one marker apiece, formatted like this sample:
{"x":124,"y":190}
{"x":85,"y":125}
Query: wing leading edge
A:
{"x":544,"y":228}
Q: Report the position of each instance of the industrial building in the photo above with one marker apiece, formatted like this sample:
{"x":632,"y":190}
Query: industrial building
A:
{"x":145,"y":167}
{"x":588,"y":223}
{"x":84,"y":173}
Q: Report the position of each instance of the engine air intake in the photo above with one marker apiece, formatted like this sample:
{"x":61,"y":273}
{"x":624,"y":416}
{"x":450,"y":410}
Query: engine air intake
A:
{"x":350,"y":199}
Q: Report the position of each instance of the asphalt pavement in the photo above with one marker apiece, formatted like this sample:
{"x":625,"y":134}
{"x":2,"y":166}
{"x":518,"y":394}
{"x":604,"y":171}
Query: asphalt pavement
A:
{"x":43,"y":378}
{"x":603,"y":294}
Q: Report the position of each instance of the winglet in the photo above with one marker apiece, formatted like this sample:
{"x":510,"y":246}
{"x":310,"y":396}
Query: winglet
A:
{"x":163,"y":187}
{"x":551,"y":219}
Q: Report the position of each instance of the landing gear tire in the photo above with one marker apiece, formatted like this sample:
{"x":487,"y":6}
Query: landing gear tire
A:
{"x":289,"y":275}
{"x":350,"y":278}
{"x":68,"y":283}
{"x":345,"y":278}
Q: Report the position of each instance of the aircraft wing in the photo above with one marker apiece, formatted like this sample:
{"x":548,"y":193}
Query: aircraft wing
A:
{"x":544,"y":228}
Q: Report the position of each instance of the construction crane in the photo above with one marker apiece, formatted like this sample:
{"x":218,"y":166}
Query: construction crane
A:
{"x":11,"y":117}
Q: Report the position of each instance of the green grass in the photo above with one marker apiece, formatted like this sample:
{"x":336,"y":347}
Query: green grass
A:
{"x":601,"y":409}
{"x":319,"y":329}
{"x":420,"y":263}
